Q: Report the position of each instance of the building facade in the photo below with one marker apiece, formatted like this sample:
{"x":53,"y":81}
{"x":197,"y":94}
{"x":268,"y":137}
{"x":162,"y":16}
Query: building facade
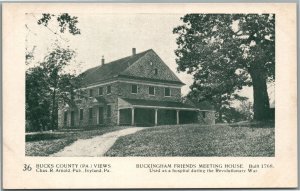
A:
{"x":138,"y":90}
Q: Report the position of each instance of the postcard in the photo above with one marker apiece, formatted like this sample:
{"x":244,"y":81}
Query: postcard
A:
{"x":149,"y":95}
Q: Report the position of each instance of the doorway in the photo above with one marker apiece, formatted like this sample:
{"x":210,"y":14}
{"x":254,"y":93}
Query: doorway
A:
{"x":100,"y":115}
{"x":72,"y":118}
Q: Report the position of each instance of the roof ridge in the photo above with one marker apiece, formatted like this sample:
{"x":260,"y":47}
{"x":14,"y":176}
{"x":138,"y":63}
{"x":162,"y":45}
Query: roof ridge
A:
{"x":111,"y":62}
{"x":122,"y":60}
{"x":128,"y":56}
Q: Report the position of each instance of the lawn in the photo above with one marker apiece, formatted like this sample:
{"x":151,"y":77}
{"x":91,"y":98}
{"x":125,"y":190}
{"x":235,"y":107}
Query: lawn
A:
{"x":44,"y":144}
{"x":238,"y":140}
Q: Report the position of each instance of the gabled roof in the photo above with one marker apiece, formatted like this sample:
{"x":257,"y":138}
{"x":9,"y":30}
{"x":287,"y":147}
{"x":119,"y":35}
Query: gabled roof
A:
{"x":114,"y":69}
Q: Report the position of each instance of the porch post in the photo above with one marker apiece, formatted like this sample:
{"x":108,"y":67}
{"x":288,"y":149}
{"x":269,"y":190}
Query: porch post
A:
{"x":98,"y":113}
{"x":132,"y":116}
{"x":118,"y":122}
{"x":156,"y":117}
{"x":177,"y":117}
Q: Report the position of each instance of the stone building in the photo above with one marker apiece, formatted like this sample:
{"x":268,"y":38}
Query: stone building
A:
{"x":138,"y":90}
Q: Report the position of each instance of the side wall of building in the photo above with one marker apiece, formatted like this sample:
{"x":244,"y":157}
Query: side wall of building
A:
{"x":88,"y":103}
{"x":125,"y":91}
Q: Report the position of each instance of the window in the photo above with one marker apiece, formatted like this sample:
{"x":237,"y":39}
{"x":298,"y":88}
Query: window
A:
{"x":151,"y":90}
{"x":134,"y":89}
{"x":155,"y":71}
{"x":81,"y":114}
{"x":100,"y":91}
{"x":167,"y":92}
{"x":108,"y":110}
{"x":91,"y":92}
{"x":108,"y":90}
{"x":65,"y":118}
{"x":203,"y":114}
{"x":90,"y":113}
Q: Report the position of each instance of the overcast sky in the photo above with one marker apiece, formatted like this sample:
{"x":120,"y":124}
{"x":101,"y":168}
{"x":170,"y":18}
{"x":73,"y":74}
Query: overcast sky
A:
{"x":113,"y":36}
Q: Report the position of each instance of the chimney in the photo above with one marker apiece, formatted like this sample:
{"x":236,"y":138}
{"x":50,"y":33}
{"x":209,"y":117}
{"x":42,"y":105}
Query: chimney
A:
{"x":133,"y":51}
{"x":102,"y":61}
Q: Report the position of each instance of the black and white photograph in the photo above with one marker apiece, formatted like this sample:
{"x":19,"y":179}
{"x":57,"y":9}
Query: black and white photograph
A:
{"x":150,"y":85}
{"x":149,"y":95}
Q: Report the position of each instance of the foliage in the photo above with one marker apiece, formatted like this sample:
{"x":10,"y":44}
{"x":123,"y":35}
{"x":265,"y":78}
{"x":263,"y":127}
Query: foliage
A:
{"x":231,"y":115}
{"x":222,"y":104}
{"x":196,"y":140}
{"x":44,"y":136}
{"x":47,"y":86}
{"x":37,"y":100}
{"x":246,"y":109}
{"x":64,"y":21}
{"x":225,"y":52}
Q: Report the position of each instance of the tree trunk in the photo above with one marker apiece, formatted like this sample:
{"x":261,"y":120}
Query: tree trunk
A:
{"x":261,"y":105}
{"x":53,"y":110}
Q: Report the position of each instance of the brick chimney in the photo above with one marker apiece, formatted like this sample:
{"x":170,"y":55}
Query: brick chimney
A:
{"x":133,"y":51}
{"x":102,"y":61}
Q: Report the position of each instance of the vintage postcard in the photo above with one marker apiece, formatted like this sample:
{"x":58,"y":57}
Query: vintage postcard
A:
{"x":149,"y":95}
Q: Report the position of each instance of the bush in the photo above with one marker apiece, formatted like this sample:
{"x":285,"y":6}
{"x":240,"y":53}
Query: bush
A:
{"x":43,"y":136}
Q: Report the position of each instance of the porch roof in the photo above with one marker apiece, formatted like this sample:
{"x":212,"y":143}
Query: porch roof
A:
{"x":158,"y":104}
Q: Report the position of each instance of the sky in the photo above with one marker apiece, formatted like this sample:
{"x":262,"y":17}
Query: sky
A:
{"x":113,"y":36}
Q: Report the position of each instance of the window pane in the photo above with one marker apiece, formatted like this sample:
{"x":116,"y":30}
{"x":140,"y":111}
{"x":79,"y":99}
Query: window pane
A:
{"x":151,"y":90}
{"x":100,"y":91}
{"x":134,"y":89}
{"x":167,"y":92}
{"x":155,"y":71}
{"x":108,"y":89}
{"x":91,"y":92}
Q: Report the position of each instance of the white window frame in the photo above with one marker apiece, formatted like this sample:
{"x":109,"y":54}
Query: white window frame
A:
{"x":149,"y":90}
{"x":137,"y":88}
{"x":165,"y":92}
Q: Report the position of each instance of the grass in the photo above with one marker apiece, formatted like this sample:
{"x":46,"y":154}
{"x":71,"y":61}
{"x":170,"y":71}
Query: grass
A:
{"x":195,"y":140}
{"x":45,"y":144}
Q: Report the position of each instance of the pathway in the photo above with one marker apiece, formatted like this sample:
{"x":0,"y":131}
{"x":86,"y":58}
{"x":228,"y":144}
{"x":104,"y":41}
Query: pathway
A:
{"x":96,"y":146}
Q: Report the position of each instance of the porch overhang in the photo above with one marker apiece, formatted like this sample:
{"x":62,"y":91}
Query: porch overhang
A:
{"x":125,"y":103}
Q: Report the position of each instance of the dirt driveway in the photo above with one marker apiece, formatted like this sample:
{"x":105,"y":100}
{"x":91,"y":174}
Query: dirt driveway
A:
{"x":96,"y":146}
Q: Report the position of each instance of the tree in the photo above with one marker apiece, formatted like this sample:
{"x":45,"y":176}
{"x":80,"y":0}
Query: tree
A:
{"x":64,"y":22}
{"x":48,"y":84}
{"x":37,"y":100}
{"x":246,"y":109}
{"x":222,"y":103}
{"x":225,"y":52}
